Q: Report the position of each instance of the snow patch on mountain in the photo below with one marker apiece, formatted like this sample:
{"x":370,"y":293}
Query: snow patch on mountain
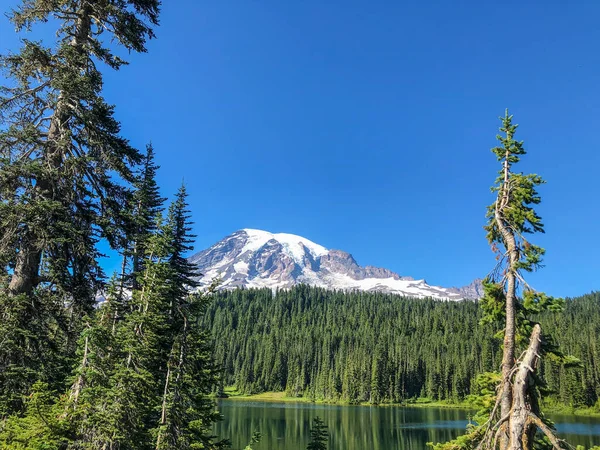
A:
{"x":255,"y":258}
{"x":294,"y":246}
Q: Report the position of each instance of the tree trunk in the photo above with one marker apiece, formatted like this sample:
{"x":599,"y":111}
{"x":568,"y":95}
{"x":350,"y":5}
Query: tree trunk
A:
{"x":25,"y":276}
{"x":508,"y":356}
{"x":163,"y":414}
{"x":519,"y":423}
{"x":78,"y":385}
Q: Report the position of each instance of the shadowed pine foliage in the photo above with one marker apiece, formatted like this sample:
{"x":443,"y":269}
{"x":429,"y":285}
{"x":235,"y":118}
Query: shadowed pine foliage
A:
{"x":145,"y":363}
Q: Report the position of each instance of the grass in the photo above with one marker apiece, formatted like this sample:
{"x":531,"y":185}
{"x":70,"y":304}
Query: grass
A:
{"x":232,"y":393}
{"x":557,"y":408}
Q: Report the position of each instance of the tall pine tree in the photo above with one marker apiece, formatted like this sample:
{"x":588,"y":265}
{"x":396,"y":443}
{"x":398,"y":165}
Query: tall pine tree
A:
{"x":64,"y":177}
{"x":190,"y":375}
{"x":60,"y":145}
{"x":515,"y":417}
{"x":146,"y":204}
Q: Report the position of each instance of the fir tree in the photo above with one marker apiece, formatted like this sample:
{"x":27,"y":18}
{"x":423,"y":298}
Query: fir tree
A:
{"x":180,"y":227}
{"x":135,"y":378}
{"x":60,"y":145}
{"x":145,"y":362}
{"x":511,"y":217}
{"x":318,"y":435}
{"x":147,"y":203}
{"x":378,"y":376}
{"x":187,"y":413}
{"x":64,"y":176}
{"x":515,"y":417}
{"x":42,"y":426}
{"x":33,"y":347}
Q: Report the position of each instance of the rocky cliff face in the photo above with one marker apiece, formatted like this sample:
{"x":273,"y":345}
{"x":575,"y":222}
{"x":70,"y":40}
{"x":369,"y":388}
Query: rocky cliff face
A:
{"x":473,"y":290}
{"x":255,"y":258}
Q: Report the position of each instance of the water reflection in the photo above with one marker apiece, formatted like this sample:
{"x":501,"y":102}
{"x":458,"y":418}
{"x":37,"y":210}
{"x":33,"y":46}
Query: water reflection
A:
{"x":285,"y":426}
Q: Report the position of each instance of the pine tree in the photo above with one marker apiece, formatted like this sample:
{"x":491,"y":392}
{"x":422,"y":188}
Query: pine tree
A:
{"x":187,"y":413}
{"x":146,"y":204}
{"x":34,"y":343}
{"x":104,"y":343}
{"x":64,"y":177}
{"x":511,"y":217}
{"x":515,"y":417}
{"x":114,"y":395}
{"x":60,"y":145}
{"x":117,"y":407}
{"x":318,"y":435}
{"x":42,"y":425}
{"x":377,"y":375}
{"x":145,"y":365}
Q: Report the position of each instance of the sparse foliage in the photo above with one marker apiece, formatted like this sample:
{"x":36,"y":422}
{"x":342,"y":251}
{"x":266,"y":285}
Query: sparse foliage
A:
{"x":515,"y":418}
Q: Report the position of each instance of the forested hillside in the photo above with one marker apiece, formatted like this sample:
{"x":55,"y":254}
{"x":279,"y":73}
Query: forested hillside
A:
{"x":382,"y":348}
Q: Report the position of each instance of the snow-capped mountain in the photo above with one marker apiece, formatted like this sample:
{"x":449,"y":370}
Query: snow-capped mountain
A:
{"x":255,"y":258}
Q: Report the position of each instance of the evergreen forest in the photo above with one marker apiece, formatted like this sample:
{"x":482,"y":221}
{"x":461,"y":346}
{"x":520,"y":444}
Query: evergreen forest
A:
{"x":378,"y":348}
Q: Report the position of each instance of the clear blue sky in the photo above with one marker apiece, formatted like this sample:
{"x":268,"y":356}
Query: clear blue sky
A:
{"x":366,"y":126}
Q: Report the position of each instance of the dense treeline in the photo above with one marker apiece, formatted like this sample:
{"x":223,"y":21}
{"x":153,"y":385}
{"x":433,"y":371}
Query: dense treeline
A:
{"x":577,"y":333}
{"x":373,"y":347}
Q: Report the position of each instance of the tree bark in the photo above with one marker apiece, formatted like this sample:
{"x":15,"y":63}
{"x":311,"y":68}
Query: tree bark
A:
{"x":25,"y":276}
{"x":78,"y":385}
{"x":163,"y":414}
{"x":508,"y":356}
{"x":519,"y":423}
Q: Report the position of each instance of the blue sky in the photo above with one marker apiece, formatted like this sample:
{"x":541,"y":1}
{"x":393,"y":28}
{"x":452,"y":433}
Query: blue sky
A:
{"x":366,"y":126}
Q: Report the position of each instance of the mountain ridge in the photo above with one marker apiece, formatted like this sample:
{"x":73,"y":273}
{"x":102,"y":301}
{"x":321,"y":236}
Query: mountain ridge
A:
{"x":256,"y":258}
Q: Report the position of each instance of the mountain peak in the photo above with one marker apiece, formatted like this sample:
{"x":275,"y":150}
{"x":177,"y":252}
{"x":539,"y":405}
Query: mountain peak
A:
{"x":257,"y":258}
{"x":293,"y":245}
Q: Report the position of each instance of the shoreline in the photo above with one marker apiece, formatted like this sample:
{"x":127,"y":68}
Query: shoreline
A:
{"x":281,"y":397}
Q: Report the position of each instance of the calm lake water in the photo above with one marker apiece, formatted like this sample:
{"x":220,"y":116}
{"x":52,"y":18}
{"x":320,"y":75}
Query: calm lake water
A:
{"x":285,"y":426}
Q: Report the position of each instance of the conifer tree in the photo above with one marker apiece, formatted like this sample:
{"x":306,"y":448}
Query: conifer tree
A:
{"x":508,"y":298}
{"x":180,"y":227}
{"x":144,"y":367}
{"x":60,"y":144}
{"x":318,"y":435}
{"x":64,"y":177}
{"x":114,"y":397}
{"x":190,"y":375}
{"x":377,"y":375}
{"x":511,"y":217}
{"x":147,"y":203}
{"x":33,"y":346}
{"x":42,"y":426}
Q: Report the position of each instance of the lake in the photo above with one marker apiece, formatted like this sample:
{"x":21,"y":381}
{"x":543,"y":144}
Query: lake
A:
{"x":285,"y":426}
